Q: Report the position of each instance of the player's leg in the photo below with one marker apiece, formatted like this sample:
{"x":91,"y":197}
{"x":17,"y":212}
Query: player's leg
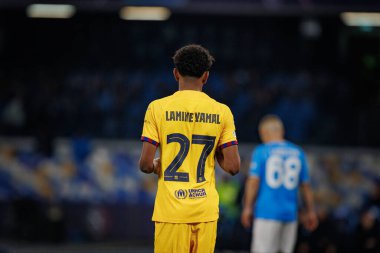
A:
{"x":203,"y":237}
{"x":172,"y":238}
{"x":265,"y":236}
{"x":288,"y":237}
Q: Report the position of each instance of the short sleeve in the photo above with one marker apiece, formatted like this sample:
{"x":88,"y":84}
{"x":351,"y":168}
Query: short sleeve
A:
{"x":228,"y":135}
{"x":304,"y":175}
{"x":150,"y":130}
{"x":256,"y":163}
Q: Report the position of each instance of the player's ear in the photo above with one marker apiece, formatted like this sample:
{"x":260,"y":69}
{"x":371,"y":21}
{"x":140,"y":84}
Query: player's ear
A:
{"x":205,"y":76}
{"x":176,"y":74}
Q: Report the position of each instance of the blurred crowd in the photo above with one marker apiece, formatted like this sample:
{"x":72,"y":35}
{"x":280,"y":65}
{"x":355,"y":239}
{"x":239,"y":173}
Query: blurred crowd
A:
{"x":75,"y":173}
{"x":113,"y":103}
{"x":88,"y":180}
{"x":96,"y":76}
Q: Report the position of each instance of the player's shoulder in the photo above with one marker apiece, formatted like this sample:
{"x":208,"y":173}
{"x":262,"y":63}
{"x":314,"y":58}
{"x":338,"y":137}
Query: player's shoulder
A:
{"x":260,"y":148}
{"x":221,"y":106}
{"x":294,"y":146}
{"x":160,"y":101}
{"x":217,"y":106}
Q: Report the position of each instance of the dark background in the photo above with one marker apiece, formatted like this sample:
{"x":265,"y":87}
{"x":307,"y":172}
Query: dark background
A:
{"x":73,"y":94}
{"x":333,"y":73}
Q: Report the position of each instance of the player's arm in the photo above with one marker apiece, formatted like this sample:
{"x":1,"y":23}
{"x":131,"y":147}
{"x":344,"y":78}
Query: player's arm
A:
{"x":250,"y":194}
{"x":227,"y":153}
{"x":147,"y":162}
{"x":311,"y":220}
{"x":229,"y":159}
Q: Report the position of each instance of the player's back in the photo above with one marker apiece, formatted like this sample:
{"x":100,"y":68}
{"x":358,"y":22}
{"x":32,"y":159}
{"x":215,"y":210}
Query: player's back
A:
{"x":281,"y":167}
{"x":190,"y":126}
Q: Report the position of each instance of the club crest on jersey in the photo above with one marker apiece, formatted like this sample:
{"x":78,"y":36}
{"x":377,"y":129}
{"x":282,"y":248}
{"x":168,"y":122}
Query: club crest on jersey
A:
{"x":180,"y":194}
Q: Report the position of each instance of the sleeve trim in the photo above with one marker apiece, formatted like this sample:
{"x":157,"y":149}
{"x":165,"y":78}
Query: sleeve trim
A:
{"x":146,"y":139}
{"x":228,"y":144}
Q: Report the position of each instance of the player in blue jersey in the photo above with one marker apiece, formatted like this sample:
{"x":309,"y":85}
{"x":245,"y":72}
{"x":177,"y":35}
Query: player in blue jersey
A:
{"x":278,"y":170}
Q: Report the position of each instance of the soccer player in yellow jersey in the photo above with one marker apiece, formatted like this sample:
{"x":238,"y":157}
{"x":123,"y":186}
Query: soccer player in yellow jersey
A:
{"x":191,"y":129}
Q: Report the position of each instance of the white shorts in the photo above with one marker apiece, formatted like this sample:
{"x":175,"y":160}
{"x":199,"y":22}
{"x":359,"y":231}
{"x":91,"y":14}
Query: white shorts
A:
{"x":270,"y":236}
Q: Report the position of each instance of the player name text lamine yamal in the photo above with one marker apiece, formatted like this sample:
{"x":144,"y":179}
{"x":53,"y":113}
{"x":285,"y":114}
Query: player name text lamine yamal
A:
{"x":193,"y":117}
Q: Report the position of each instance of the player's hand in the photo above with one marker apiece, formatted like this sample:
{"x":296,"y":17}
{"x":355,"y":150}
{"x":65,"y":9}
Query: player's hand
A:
{"x":157,"y":166}
{"x":246,"y":217}
{"x":311,"y":221}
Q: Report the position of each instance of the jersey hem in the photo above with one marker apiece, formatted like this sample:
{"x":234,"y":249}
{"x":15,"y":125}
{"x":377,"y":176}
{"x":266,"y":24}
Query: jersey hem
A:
{"x":151,"y":141}
{"x":185,"y":221}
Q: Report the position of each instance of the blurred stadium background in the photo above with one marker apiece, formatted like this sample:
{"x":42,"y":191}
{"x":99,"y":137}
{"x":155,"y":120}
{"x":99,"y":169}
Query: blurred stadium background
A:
{"x":75,"y":81}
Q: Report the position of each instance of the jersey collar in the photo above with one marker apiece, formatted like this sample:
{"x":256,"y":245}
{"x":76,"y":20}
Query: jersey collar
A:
{"x":190,"y":92}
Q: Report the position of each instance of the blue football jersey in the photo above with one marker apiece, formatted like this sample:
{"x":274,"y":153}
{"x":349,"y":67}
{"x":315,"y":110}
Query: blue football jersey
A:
{"x":281,"y":168}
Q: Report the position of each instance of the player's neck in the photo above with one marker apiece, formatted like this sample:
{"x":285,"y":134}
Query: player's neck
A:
{"x":196,"y":86}
{"x":274,"y":140}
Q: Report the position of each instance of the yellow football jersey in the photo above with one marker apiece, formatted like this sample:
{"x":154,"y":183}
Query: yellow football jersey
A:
{"x":188,"y":126}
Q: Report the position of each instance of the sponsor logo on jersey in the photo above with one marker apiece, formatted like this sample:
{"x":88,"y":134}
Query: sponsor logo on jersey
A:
{"x":197,"y":193}
{"x":190,"y":193}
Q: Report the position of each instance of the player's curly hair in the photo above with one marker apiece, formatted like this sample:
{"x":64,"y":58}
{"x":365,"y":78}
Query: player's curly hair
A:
{"x":193,"y":60}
